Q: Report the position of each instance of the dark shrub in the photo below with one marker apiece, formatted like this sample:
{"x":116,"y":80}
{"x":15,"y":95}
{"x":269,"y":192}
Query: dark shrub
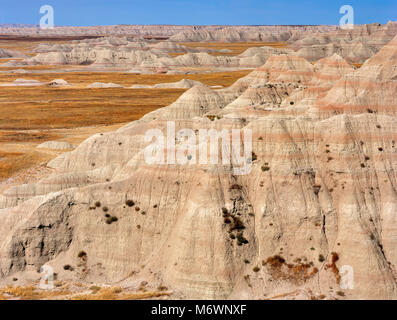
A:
{"x":130,"y":203}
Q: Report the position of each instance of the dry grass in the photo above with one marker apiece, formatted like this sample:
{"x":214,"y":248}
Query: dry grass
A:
{"x":126,"y":79}
{"x":23,"y":46}
{"x":50,"y":108}
{"x":30,"y":293}
{"x":12,"y":162}
{"x":40,"y":67}
{"x":24,"y":109}
{"x":20,"y":136}
{"x":64,"y":292}
{"x":236,"y":48}
{"x":115,"y":293}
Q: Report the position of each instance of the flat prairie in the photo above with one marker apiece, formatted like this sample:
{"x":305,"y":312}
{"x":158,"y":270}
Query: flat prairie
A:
{"x":32,"y":115}
{"x":123,"y":78}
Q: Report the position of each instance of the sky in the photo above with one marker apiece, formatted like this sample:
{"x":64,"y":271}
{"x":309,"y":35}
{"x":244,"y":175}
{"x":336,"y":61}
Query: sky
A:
{"x":196,"y":12}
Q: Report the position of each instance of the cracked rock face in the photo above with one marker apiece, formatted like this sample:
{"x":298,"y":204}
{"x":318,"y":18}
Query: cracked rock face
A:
{"x":320,"y":198}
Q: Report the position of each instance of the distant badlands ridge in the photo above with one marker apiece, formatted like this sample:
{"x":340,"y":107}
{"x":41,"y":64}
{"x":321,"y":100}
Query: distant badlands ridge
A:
{"x":132,"y":47}
{"x":198,"y":33}
{"x":149,"y":30}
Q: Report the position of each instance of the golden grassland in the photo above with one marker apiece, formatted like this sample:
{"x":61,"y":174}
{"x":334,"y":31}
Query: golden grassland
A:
{"x":29,"y":293}
{"x":23,"y":46}
{"x":64,"y":292}
{"x":26,"y":108}
{"x":127,"y":79}
{"x":13,"y":162}
{"x":32,"y":68}
{"x":116,"y":293}
{"x":32,"y":115}
{"x":46,"y":110}
{"x":43,"y":107}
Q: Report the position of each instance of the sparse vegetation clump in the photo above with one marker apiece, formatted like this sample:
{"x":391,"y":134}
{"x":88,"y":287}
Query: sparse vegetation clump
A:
{"x":213,"y":117}
{"x":265,"y":167}
{"x":237,"y":224}
{"x":241,"y":239}
{"x":130,"y":203}
{"x":340,"y":293}
{"x":236,"y":187}
{"x":68,"y":267}
{"x":111,"y":219}
{"x":316,"y":189}
{"x":297,"y":273}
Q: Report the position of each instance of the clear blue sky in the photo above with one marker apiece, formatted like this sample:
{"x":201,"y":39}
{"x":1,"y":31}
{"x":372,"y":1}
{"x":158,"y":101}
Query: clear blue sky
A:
{"x":245,"y":12}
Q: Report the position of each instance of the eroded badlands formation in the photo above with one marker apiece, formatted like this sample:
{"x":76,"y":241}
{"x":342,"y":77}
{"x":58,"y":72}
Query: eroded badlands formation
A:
{"x":321,"y":194}
{"x":135,"y":49}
